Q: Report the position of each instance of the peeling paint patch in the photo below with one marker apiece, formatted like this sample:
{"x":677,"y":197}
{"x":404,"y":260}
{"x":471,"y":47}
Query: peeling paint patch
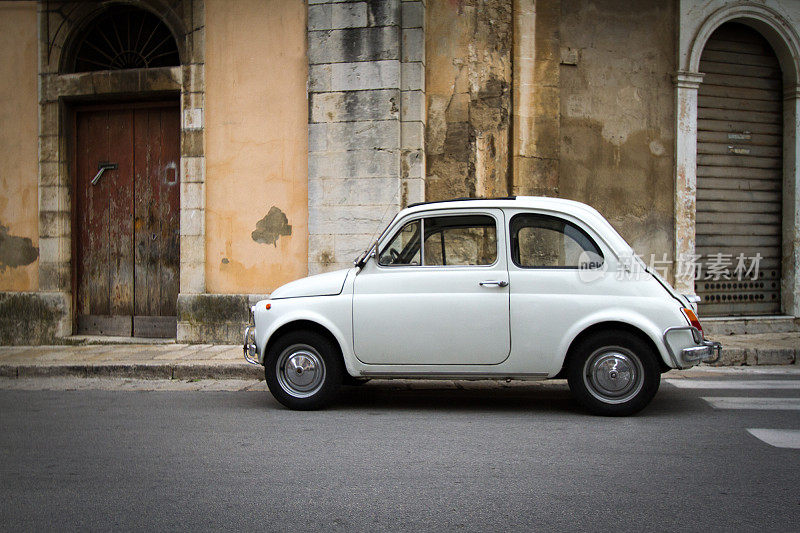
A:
{"x":15,"y":251}
{"x":273,"y":226}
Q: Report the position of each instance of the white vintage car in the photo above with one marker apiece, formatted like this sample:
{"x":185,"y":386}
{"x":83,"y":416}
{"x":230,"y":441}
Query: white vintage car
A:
{"x":512,"y":288}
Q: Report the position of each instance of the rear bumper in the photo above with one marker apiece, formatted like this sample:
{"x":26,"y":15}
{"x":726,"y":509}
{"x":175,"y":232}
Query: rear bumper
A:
{"x":701,"y":351}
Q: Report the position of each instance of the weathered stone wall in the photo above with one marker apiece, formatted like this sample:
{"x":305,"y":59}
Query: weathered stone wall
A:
{"x":591,"y":116}
{"x":365,"y":122}
{"x":30,"y":318}
{"x":59,"y":25}
{"x":19,"y":210}
{"x":214,"y":318}
{"x":468,"y":89}
{"x":617,"y":115}
{"x":537,"y":111}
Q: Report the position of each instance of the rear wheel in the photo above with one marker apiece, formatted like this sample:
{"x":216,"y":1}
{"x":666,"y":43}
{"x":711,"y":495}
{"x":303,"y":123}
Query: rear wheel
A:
{"x":303,"y":370}
{"x":614,"y":373}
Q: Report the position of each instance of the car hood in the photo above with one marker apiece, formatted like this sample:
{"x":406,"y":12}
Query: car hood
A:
{"x":327,"y":284}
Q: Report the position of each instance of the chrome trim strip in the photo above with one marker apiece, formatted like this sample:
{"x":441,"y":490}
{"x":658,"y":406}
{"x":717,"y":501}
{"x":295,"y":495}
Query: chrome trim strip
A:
{"x":454,"y":375}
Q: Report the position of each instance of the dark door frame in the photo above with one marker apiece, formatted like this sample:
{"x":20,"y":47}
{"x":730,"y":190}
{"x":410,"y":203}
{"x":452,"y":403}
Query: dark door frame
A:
{"x":71,"y":110}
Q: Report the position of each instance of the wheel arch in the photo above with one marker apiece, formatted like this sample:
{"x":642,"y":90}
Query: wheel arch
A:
{"x":304,"y":325}
{"x":608,"y":326}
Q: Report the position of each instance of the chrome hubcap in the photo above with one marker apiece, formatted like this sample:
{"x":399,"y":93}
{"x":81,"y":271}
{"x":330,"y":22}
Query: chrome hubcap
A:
{"x":613,"y":374}
{"x":300,"y":371}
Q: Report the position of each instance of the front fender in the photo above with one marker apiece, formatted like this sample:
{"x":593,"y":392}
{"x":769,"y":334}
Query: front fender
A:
{"x":329,"y":312}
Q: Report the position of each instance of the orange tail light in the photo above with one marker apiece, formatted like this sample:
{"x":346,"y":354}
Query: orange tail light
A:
{"x":692,"y":318}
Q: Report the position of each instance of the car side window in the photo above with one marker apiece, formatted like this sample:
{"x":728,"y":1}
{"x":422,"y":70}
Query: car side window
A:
{"x":542,"y":241}
{"x":460,"y":240}
{"x":404,"y":247}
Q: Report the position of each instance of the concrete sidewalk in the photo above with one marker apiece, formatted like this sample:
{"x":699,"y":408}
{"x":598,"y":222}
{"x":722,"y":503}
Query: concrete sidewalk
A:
{"x":137,"y":358}
{"x":148,"y":361}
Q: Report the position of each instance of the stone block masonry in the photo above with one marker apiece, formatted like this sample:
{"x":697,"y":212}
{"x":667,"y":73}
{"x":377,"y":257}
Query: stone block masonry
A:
{"x":30,"y":318}
{"x":366,"y":98}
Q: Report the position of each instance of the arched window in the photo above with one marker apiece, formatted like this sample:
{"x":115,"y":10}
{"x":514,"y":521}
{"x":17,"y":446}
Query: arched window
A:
{"x":124,"y":37}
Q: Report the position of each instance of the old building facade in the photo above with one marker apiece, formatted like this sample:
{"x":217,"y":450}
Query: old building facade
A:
{"x":166,"y":162}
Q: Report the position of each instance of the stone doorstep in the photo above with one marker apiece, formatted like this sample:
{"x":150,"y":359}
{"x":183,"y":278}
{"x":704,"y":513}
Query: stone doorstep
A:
{"x":84,"y":340}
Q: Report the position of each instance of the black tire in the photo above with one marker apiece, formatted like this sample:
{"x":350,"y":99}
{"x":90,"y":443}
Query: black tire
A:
{"x":613,"y":373}
{"x":316,"y":370}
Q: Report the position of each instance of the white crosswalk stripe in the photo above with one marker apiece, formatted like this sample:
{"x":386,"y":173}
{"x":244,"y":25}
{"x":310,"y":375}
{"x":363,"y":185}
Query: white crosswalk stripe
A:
{"x":780,"y":438}
{"x":733,"y":402}
{"x":761,"y":384}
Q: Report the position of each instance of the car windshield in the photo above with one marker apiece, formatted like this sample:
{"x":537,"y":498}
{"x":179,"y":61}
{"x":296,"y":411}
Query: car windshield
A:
{"x":362,"y":257}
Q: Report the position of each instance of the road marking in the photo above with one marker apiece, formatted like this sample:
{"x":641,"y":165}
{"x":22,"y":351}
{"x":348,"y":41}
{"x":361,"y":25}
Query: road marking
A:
{"x":780,"y":438}
{"x":776,"y":404}
{"x":764,"y":384}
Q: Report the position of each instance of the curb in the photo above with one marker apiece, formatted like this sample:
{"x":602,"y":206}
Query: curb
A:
{"x":758,"y":356}
{"x":731,"y":357}
{"x":137,"y":370}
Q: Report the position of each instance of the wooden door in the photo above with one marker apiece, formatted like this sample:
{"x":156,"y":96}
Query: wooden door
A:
{"x":740,"y":172}
{"x":127,"y":221}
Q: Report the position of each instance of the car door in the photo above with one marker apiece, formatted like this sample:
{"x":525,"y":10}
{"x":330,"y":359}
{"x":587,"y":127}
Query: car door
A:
{"x":436,"y":293}
{"x":556,"y":271}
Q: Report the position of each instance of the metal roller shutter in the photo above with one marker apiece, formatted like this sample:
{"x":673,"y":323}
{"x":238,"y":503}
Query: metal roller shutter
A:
{"x":739,"y":172}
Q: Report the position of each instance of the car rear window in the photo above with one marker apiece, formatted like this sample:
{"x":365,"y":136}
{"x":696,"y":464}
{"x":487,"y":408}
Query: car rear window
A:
{"x":543,"y":241}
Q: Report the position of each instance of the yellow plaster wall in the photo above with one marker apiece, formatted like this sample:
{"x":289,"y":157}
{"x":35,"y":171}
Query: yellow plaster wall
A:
{"x":256,"y":143}
{"x":19,"y":202}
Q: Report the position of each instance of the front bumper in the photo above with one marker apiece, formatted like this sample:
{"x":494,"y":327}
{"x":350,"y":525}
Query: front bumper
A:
{"x":702,"y":351}
{"x":250,"y":349}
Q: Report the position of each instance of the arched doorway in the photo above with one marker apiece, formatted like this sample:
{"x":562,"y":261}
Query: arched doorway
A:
{"x":739,"y":174}
{"x":126,"y":181}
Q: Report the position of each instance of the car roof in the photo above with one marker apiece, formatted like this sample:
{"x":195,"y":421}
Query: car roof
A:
{"x":581,"y":211}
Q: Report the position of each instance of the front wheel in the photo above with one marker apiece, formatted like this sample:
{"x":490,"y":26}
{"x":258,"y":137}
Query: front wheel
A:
{"x":303,"y":370}
{"x":613,"y":373}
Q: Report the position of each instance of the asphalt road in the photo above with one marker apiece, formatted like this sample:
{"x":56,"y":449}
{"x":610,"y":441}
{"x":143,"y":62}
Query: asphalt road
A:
{"x":388,"y":458}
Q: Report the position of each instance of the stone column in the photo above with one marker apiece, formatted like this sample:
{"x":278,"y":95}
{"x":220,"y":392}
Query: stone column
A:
{"x":193,"y":160}
{"x":412,"y":102}
{"x":686,"y":85}
{"x":790,"y":264}
{"x":537,"y":107}
{"x":366,"y":122}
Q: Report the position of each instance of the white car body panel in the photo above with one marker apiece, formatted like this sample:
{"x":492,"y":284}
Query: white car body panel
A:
{"x":427,"y":321}
{"x":405,"y":315}
{"x":326,"y":284}
{"x":415,"y":316}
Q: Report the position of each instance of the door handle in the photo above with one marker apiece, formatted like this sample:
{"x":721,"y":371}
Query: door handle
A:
{"x":102,"y":167}
{"x":496,"y":283}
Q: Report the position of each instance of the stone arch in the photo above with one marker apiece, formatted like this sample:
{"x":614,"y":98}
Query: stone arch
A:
{"x":87,"y":14}
{"x":61,"y":24}
{"x":765,"y":20}
{"x":783,"y":38}
{"x":83,"y":14}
